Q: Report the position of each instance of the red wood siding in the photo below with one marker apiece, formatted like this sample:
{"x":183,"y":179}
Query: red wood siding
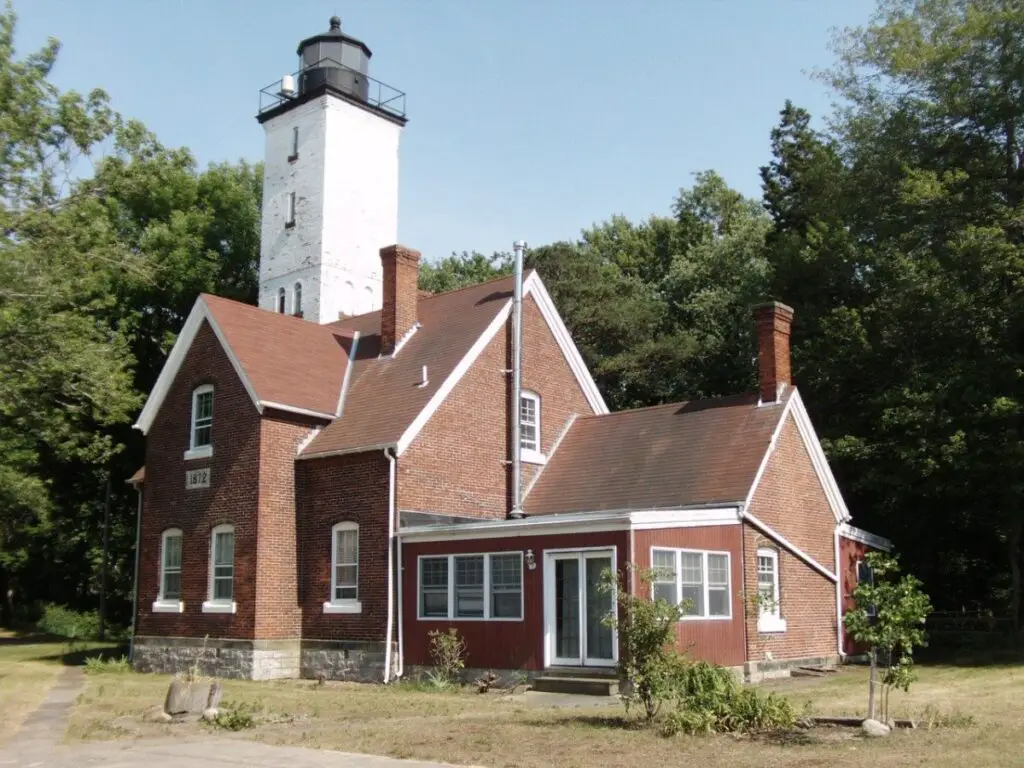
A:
{"x":716,"y":640}
{"x":495,"y":644}
{"x":849,"y":553}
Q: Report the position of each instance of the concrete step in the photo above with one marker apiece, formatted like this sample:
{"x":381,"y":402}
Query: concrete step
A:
{"x":585,"y":672}
{"x":596,"y":685}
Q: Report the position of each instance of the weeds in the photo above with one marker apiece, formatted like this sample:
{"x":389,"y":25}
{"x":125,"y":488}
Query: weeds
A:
{"x":101,"y":666}
{"x":448,"y":650}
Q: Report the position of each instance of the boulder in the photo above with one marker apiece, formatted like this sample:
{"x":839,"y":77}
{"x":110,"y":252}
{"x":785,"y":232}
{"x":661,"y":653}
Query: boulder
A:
{"x":210,"y":714}
{"x":185,"y":698}
{"x":216,"y":693}
{"x":874,"y":728}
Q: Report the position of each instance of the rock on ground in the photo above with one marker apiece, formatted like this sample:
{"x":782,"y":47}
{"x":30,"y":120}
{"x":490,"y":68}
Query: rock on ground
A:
{"x":874,"y":728}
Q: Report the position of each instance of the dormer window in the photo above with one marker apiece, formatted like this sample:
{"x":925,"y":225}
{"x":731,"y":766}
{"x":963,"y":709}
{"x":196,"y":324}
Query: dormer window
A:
{"x":282,"y":300}
{"x":201,"y":434}
{"x":529,"y":427}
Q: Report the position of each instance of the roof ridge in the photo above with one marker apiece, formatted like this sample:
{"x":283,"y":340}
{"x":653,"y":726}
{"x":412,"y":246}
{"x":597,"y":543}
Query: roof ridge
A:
{"x":256,"y":308}
{"x":668,"y":405}
{"x":474,"y":285}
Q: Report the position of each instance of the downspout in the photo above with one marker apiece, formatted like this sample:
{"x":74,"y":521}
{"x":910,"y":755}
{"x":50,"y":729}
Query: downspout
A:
{"x":135,"y":587}
{"x":517,"y":379}
{"x":391,"y":546}
{"x":743,"y":576}
{"x":839,"y":599}
{"x":401,"y":609}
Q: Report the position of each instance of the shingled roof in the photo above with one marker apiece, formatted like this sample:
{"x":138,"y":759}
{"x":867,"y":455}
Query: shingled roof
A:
{"x":385,"y":395}
{"x":667,"y":456}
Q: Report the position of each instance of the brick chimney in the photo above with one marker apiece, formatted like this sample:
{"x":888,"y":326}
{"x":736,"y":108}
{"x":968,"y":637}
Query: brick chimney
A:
{"x":774,"y":320}
{"x":401,"y":268}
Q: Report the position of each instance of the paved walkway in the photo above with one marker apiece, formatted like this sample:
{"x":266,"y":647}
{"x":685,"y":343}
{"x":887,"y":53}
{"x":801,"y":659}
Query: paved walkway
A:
{"x":38,"y":745}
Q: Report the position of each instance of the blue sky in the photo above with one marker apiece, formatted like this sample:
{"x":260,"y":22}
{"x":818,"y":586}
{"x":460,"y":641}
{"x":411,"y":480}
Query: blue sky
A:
{"x":527,"y":119}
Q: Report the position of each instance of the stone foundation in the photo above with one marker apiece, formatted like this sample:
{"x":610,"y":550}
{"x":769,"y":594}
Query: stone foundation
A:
{"x":759,"y":671}
{"x":345,"y":660}
{"x":240,"y":659}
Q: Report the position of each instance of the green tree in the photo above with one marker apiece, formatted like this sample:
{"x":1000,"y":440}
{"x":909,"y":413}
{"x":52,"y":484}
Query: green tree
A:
{"x":889,"y":618}
{"x":460,"y":270}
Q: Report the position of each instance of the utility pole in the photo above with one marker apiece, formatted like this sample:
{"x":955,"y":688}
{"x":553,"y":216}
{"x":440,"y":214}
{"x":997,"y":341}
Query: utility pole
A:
{"x":103,"y":565}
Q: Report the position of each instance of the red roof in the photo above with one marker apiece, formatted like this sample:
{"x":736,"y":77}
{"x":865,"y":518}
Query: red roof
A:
{"x":667,"y":456}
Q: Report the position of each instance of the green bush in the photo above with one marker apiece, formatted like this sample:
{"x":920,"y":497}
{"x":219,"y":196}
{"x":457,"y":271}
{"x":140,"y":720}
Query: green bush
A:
{"x":64,"y":622}
{"x":98,"y":665}
{"x":710,"y":699}
{"x":448,"y":650}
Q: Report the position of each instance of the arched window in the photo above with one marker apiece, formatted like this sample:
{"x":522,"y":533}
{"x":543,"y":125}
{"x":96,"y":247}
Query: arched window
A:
{"x":367,"y":299}
{"x":282,"y":300}
{"x":344,"y":596}
{"x":168,"y":599}
{"x":222,"y":570}
{"x":201,"y":435}
{"x":769,"y":613}
{"x":297,"y":300}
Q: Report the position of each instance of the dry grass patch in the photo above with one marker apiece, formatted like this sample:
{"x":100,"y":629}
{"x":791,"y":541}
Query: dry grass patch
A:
{"x":499,"y":730}
{"x":24,"y":679}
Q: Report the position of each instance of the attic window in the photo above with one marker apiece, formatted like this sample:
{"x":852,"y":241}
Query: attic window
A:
{"x":201,"y":429}
{"x":529,"y":427}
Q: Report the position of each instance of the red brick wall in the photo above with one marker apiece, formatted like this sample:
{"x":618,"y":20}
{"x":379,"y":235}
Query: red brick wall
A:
{"x":716,"y":640}
{"x":232,"y":496}
{"x":458,"y":463}
{"x":495,"y":644}
{"x":277,"y":608}
{"x":790,"y":500}
{"x":333,"y":490}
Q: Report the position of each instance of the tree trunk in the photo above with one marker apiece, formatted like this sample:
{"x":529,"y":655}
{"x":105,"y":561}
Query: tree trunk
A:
{"x":1015,"y":534}
{"x":871,"y":686}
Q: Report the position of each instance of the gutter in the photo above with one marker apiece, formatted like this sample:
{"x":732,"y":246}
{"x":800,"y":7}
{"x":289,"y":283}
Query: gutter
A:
{"x":391,"y":575}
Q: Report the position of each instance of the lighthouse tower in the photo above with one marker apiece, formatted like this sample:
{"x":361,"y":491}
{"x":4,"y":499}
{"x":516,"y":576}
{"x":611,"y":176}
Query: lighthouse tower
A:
{"x":330,"y":183}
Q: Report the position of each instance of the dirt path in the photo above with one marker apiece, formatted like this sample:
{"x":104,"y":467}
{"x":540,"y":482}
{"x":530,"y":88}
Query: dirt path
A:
{"x":44,"y":729}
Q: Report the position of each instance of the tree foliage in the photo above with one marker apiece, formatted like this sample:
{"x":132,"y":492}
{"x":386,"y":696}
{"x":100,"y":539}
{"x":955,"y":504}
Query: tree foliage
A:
{"x":889,"y":619}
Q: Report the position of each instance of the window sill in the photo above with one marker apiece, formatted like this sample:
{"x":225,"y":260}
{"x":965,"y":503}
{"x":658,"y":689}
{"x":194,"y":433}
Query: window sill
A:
{"x":532,"y":457}
{"x":352,"y":606}
{"x":770,"y":625}
{"x":202,"y":452}
{"x":168,"y":606}
{"x":210,"y":606}
{"x":706,"y":618}
{"x":467,"y":618}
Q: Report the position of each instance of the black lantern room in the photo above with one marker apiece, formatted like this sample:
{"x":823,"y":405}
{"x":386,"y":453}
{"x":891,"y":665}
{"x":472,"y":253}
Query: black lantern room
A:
{"x":335,"y":60}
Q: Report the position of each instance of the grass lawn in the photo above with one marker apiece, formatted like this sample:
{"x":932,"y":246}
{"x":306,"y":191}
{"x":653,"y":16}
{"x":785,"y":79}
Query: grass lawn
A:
{"x":512,"y":730}
{"x":29,"y":666}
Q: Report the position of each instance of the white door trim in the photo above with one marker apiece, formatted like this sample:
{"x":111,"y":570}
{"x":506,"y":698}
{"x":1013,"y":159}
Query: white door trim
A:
{"x":581,"y":554}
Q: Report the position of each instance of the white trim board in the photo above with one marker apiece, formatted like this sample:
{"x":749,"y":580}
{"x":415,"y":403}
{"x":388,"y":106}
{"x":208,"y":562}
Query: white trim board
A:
{"x":575,"y":522}
{"x":787,"y":544}
{"x":795,"y":407}
{"x":864,"y":537}
{"x":200,"y":312}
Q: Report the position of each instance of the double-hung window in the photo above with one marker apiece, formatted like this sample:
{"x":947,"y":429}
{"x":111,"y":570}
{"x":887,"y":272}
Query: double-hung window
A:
{"x":529,"y":428}
{"x":344,"y":570}
{"x":476,"y":586}
{"x":697,"y":579}
{"x":201,"y":428}
{"x":222,"y":571}
{"x":169,"y":597}
{"x":769,"y":609}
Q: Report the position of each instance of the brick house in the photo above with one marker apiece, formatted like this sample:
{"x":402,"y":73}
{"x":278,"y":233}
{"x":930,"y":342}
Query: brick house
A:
{"x":331,"y":475}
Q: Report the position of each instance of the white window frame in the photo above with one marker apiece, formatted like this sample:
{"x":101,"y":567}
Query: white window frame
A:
{"x":769,"y":618}
{"x":531,"y":455}
{"x":164,"y":604}
{"x":348,"y":605}
{"x":706,"y":585}
{"x":488,"y":597}
{"x":221,"y":605}
{"x":297,"y":291}
{"x":199,"y":451}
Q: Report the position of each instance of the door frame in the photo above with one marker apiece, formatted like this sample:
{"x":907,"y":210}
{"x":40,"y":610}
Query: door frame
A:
{"x":549,"y":604}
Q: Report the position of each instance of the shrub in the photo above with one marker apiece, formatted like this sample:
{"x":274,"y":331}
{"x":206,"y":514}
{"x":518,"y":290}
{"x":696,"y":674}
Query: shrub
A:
{"x":648,"y":660}
{"x":710,"y":699}
{"x":448,"y":650}
{"x":64,"y":622}
{"x":238,"y":718}
{"x":97,"y":665}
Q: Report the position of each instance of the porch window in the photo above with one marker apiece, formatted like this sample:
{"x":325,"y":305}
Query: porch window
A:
{"x":434,"y":587}
{"x":701,"y":579}
{"x":469,"y":587}
{"x":477,"y":586}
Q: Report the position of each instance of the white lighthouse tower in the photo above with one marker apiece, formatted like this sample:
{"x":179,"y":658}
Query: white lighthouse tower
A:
{"x":330,"y":183}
